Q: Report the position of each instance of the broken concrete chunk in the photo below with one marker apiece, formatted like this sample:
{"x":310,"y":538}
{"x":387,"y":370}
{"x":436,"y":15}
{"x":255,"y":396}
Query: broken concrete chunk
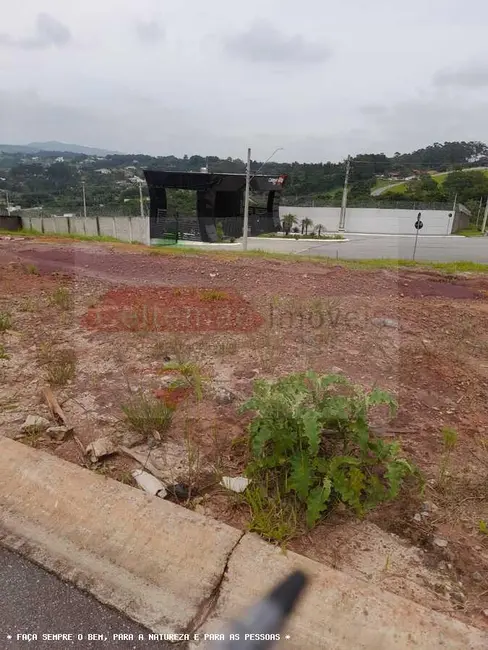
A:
{"x":237,"y":484}
{"x":35,"y":424}
{"x":100,"y":448}
{"x":149,"y":483}
{"x":132,"y":439}
{"x":58,"y":433}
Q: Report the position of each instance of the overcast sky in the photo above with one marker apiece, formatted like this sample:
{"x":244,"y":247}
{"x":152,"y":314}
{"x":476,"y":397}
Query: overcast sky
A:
{"x":320,"y":79}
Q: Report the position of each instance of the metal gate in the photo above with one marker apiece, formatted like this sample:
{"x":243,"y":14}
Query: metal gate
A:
{"x":169,"y":228}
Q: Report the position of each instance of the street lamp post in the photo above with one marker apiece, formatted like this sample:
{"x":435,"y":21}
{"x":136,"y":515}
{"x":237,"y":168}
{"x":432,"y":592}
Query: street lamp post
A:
{"x":247,"y":192}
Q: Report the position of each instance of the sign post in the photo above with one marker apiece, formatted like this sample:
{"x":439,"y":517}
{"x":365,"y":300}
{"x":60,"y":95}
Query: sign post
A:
{"x":418,"y":225}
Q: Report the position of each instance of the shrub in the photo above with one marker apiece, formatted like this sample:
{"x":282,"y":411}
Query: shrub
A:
{"x":219,"y":229}
{"x":313,"y":442}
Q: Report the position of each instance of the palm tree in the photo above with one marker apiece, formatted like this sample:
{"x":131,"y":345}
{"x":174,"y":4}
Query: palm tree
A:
{"x":307,"y":223}
{"x":288,"y":221}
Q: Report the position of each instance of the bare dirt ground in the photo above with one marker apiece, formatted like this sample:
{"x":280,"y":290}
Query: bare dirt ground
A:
{"x":123,"y":315}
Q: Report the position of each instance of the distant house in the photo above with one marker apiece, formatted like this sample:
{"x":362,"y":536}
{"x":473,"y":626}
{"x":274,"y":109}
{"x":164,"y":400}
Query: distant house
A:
{"x":103,"y":171}
{"x":59,"y":159}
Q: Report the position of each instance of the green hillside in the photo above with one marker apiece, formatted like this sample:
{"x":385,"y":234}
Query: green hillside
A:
{"x":402,"y":188}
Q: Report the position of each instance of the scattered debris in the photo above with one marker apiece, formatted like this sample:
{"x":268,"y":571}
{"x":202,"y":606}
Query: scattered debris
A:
{"x":179,"y":490}
{"x":485,"y":613}
{"x":440,"y":542}
{"x":100,"y":448}
{"x":417,"y":518}
{"x":386,"y":322}
{"x":237,"y":484}
{"x":429,"y":507}
{"x":35,"y":424}
{"x":59,"y":433}
{"x":149,"y":483}
{"x":132,"y":439}
{"x":145,"y":460}
{"x":54,"y":406}
{"x":477,"y":577}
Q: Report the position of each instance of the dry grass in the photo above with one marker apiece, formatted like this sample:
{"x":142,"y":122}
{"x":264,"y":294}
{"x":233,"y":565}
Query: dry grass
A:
{"x":209,"y":295}
{"x":31,"y":269}
{"x":60,"y":364}
{"x":29,"y":305}
{"x":5,"y":321}
{"x":146,"y":414}
{"x":62,"y":298}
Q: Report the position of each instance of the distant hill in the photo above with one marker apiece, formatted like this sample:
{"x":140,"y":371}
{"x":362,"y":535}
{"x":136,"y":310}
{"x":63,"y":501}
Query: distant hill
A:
{"x":60,"y":147}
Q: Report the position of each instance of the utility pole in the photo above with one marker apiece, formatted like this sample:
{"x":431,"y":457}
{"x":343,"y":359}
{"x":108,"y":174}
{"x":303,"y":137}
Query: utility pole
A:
{"x":246,"y":201}
{"x":141,"y":200}
{"x":8,"y":203}
{"x":483,"y":226}
{"x":342,"y":219}
{"x":479,"y":211}
{"x":84,"y":199}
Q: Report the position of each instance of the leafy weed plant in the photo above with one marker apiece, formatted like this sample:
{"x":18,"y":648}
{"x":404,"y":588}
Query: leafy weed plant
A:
{"x":310,"y":440}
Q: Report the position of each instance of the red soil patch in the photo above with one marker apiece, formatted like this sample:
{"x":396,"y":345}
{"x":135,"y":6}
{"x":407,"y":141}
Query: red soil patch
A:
{"x":173,"y":395}
{"x":170,"y":310}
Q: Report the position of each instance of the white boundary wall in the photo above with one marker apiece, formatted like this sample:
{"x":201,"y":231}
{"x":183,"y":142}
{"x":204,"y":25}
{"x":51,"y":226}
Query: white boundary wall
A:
{"x":129,"y":229}
{"x":376,"y":220}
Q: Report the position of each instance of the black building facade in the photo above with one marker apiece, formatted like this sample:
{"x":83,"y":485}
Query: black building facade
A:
{"x":219,"y":201}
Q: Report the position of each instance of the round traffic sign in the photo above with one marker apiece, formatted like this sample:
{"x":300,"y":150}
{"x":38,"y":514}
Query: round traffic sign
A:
{"x":419,"y":224}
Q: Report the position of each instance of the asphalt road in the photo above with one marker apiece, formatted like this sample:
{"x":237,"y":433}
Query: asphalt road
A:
{"x":33,"y":601}
{"x":429,"y":247}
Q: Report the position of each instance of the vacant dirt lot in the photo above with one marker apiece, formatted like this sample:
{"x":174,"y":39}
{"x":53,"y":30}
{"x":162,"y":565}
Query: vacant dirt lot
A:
{"x":102,"y":323}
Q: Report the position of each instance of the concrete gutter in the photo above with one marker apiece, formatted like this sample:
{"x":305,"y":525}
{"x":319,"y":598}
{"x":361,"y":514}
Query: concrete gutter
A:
{"x":176,"y":571}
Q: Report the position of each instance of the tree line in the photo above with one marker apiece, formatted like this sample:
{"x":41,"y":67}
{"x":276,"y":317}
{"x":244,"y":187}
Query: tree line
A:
{"x":40,"y":180}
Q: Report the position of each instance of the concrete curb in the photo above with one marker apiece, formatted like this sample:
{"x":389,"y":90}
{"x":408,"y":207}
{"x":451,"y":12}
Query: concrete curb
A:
{"x":157,"y":562}
{"x":175,"y":571}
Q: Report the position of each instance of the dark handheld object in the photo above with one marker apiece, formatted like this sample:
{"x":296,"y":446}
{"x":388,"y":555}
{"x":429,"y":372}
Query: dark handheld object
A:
{"x":261,"y":625}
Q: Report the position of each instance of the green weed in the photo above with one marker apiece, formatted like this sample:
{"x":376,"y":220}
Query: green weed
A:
{"x":3,"y":353}
{"x":272,"y":516}
{"x":311,"y":434}
{"x":449,"y":440}
{"x":31,"y":269}
{"x":190,"y":375}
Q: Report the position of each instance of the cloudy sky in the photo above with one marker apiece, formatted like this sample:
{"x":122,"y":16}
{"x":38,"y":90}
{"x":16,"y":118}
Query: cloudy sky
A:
{"x":319,"y":79}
